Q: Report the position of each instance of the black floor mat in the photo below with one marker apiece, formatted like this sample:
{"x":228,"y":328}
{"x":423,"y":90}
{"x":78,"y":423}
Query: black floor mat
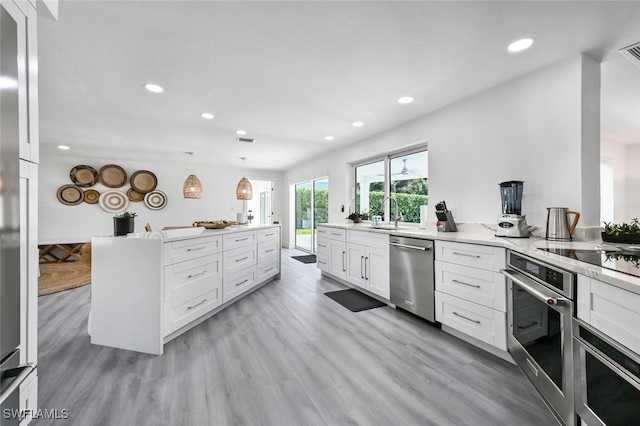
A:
{"x":354,"y":300}
{"x":309,"y":258}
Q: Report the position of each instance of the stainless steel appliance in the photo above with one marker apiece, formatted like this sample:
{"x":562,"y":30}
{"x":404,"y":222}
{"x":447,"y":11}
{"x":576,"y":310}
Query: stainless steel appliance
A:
{"x":558,"y":228}
{"x":11,"y":375}
{"x":607,"y":379}
{"x":445,"y":218}
{"x":412,"y":275}
{"x":512,"y":223}
{"x":540,"y":309}
{"x":621,"y":259}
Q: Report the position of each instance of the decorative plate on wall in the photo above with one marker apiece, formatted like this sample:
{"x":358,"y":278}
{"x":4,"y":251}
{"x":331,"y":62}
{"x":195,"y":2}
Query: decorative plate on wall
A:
{"x":70,"y":195}
{"x":112,"y":176}
{"x":84,"y":176}
{"x":91,"y":196}
{"x":155,"y":200}
{"x":143,"y":181}
{"x":113,"y":201}
{"x":134,"y":195}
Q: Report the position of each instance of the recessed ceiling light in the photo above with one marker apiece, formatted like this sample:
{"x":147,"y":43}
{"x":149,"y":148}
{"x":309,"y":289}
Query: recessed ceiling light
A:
{"x":405,"y":100}
{"x":241,"y":132}
{"x":357,"y":124}
{"x":328,"y":138}
{"x":63,"y":147}
{"x":207,"y":115}
{"x":520,"y":45}
{"x":153,"y":88}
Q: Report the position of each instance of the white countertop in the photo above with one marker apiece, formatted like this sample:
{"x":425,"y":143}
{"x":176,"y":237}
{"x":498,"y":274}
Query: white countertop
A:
{"x":190,"y":232}
{"x":475,"y":233}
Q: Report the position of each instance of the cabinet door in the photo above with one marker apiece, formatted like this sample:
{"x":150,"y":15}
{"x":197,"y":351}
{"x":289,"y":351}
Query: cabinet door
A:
{"x":337,"y":259}
{"x":377,"y":271}
{"x":28,"y":262}
{"x":355,"y":264}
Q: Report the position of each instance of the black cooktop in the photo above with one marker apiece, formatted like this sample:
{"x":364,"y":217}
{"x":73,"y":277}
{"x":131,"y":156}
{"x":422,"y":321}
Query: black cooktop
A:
{"x":622,"y":260}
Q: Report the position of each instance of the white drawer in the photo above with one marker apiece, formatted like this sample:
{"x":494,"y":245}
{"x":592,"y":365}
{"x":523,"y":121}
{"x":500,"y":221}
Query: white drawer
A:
{"x":487,"y":288}
{"x":477,"y":256}
{"x":180,"y":276}
{"x":268,"y":251}
{"x":322,"y":261}
{"x":269,"y":234}
{"x":370,"y":239}
{"x":238,"y":259}
{"x":238,"y":239}
{"x":332,"y":233}
{"x":610,"y":309}
{"x":480,"y":322}
{"x":179,"y":316}
{"x":267,"y":270}
{"x":179,"y":251}
{"x":323,"y":245}
{"x":236,"y":284}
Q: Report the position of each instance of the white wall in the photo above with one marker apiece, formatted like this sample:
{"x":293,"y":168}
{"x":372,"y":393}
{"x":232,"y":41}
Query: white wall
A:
{"x":59,"y":222}
{"x":632,"y":195}
{"x":530,"y":129}
{"x":616,"y":155}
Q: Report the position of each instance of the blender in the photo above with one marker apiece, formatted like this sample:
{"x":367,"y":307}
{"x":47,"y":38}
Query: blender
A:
{"x":512,"y":223}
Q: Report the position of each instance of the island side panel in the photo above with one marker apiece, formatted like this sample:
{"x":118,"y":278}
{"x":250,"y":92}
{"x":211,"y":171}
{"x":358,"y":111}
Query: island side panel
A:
{"x":126,"y":294}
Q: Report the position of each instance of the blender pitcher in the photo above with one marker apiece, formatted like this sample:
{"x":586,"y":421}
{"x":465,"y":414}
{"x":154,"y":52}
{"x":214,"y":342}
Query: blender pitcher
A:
{"x":511,"y":196}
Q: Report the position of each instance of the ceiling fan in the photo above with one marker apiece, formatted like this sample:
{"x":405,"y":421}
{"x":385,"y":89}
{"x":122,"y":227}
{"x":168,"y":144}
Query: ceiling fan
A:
{"x":403,"y":171}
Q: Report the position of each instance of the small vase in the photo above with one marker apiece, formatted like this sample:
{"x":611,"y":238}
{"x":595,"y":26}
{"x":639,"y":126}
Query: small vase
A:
{"x":123,"y":226}
{"x":356,"y":220}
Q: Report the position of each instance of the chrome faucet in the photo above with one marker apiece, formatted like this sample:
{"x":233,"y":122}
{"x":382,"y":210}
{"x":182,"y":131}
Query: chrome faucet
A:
{"x":399,"y":215}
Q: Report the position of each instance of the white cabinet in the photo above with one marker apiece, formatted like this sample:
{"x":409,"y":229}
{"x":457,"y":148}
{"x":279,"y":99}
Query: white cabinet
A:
{"x":367,"y":257}
{"x":470,"y":291}
{"x":610,"y":309}
{"x":160,"y":289}
{"x":332,"y":251}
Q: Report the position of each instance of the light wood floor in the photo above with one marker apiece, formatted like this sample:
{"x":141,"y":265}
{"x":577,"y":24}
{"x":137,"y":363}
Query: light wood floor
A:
{"x":284,"y":355}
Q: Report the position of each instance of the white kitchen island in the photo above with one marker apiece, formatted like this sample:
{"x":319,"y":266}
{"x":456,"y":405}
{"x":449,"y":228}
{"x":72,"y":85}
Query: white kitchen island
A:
{"x":149,"y":288}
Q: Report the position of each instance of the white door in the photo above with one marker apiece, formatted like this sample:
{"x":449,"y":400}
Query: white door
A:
{"x":377,"y":264}
{"x":337,"y":262}
{"x":355,"y":265}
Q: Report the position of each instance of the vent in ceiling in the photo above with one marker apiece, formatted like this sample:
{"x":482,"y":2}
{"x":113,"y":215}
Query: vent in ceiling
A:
{"x":247,"y":140}
{"x":632,"y":53}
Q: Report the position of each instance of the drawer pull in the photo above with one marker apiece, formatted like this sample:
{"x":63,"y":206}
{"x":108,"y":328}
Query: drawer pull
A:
{"x":527,"y":326}
{"x":463,"y":283}
{"x":269,"y":251}
{"x":204,"y":271}
{"x":320,"y":261}
{"x":321,"y":245}
{"x":240,"y":260}
{"x":468,"y":319}
{"x":242,"y":239}
{"x":268,"y":235}
{"x":270,"y":269}
{"x":239,"y":284}
{"x":336,"y":234}
{"x":195,"y":248}
{"x":465,"y":254}
{"x":197,"y":304}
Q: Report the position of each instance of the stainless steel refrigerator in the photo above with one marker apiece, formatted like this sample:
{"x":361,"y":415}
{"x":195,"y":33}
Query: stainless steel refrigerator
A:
{"x":11,"y":373}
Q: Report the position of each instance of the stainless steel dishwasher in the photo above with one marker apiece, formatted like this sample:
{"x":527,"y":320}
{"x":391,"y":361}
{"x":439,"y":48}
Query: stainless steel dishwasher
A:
{"x":412,"y":275}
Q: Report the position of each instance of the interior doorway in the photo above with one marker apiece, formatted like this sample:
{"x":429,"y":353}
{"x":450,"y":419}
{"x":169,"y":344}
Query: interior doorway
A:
{"x":312,"y":208}
{"x":260,"y":207}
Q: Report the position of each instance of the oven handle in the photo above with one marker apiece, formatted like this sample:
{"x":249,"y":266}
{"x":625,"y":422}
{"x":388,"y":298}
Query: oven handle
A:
{"x":551,"y":301}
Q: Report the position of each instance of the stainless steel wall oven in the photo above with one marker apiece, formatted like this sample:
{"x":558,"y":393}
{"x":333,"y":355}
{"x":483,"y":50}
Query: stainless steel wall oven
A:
{"x":607,"y":385}
{"x":540,"y":310}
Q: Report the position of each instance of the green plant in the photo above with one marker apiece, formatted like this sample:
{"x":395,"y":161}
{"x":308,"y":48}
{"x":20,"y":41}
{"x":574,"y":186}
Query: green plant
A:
{"x":126,"y":215}
{"x":623,"y":228}
{"x":361,"y":216}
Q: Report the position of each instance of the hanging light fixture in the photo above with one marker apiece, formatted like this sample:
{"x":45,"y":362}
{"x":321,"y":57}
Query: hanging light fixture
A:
{"x":192,"y":187}
{"x":244,"y":190}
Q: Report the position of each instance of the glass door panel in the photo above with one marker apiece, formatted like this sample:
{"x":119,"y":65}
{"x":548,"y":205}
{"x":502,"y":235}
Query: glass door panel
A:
{"x":320,"y":206}
{"x":304,"y":216}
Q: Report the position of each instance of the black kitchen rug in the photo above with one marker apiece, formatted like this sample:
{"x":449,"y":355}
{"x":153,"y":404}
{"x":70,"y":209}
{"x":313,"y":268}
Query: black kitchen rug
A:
{"x":309,"y":258}
{"x":354,"y":300}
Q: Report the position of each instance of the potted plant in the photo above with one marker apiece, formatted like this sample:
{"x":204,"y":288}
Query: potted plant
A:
{"x":628,"y":233}
{"x":358,"y":217}
{"x":123,"y":223}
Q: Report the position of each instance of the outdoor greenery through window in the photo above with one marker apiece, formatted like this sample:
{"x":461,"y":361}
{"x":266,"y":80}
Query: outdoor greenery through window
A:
{"x":403,"y":176}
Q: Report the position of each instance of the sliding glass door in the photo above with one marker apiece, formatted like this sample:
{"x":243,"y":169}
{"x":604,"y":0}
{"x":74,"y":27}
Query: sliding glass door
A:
{"x":312,"y":201}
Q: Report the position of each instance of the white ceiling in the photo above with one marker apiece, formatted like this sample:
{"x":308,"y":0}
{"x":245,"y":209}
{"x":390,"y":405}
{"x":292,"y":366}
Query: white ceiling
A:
{"x":292,"y":72}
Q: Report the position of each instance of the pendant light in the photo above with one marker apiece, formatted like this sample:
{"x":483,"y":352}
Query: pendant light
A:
{"x":192,"y":187}
{"x":244,"y":190}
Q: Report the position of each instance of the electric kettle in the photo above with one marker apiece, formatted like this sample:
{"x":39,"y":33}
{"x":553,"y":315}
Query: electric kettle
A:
{"x":558,"y":228}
